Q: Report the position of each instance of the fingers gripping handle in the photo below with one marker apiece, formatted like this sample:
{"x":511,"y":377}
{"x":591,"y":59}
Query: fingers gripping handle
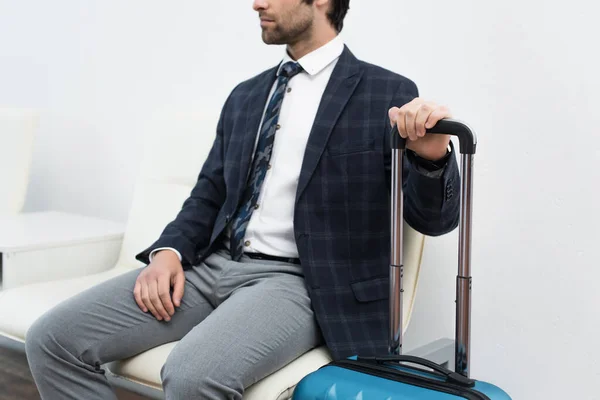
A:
{"x":466,"y":137}
{"x":468,"y":144}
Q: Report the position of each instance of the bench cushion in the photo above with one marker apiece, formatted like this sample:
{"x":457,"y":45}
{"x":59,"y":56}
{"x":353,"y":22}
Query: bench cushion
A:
{"x":34,"y":300}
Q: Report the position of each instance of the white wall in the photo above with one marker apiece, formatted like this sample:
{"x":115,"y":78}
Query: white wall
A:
{"x":524,"y":74}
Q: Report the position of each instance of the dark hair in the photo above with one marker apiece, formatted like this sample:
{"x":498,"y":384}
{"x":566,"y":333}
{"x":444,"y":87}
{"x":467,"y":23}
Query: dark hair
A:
{"x":337,"y":13}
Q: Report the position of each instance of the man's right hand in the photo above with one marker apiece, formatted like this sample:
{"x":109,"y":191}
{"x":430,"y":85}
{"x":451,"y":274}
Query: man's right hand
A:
{"x":153,"y":285}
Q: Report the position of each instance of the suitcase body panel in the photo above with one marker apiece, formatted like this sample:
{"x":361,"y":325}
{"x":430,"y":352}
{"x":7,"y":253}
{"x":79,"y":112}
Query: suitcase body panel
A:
{"x":336,"y":383}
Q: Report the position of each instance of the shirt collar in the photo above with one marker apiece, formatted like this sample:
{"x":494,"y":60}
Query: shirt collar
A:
{"x":316,"y":61}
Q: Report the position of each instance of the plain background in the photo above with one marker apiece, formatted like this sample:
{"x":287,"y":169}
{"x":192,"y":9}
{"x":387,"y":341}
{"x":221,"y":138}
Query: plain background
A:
{"x":524,"y":74}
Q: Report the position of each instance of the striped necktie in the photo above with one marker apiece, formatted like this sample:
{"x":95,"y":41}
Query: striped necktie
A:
{"x":260,"y":164}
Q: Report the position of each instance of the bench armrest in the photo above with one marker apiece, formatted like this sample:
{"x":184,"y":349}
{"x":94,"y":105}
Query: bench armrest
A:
{"x":40,"y":247}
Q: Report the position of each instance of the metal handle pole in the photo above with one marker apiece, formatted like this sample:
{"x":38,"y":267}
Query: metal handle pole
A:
{"x":464,"y":279}
{"x":397,"y":253}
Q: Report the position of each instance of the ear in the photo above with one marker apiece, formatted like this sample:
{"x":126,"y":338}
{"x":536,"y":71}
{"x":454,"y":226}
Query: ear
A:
{"x":322,"y":3}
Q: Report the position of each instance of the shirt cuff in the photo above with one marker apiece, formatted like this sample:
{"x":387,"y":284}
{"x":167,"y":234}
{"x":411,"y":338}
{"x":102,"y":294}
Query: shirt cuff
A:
{"x":164,"y":248}
{"x":428,"y":168}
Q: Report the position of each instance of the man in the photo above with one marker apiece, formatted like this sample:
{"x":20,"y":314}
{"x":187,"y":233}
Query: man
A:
{"x":283,"y":242}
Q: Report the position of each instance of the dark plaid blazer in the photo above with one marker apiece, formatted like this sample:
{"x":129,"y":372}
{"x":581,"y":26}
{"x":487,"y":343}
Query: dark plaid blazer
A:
{"x":342,"y":214}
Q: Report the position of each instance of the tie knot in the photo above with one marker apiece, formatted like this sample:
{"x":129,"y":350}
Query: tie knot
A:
{"x":290,"y":69}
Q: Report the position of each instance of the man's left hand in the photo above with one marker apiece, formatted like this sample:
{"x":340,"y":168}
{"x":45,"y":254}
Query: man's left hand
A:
{"x":413,"y":119}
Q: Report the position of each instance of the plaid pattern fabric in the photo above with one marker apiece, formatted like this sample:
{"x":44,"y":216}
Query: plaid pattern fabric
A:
{"x":262,"y":156}
{"x":341,"y":217}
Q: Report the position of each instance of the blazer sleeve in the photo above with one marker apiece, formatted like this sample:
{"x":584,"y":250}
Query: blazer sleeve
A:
{"x":193,"y":226}
{"x":431,"y":204}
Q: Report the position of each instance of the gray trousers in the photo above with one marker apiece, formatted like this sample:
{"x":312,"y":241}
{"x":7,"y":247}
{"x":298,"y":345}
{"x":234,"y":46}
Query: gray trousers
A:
{"x":238,"y":322}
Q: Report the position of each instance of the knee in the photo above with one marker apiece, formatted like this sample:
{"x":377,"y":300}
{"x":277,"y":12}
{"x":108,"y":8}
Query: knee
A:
{"x":191,"y":376}
{"x":43,"y":337}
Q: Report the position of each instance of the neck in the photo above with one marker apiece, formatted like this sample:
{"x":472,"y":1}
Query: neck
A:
{"x":304,"y":46}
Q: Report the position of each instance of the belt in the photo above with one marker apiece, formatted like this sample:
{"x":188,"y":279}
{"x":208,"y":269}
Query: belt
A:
{"x":261,"y":256}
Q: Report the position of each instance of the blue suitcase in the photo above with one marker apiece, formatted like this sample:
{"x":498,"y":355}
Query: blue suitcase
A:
{"x":401,"y":377}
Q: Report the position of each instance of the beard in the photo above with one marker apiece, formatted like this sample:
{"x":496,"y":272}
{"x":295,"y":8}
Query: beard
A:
{"x":289,"y":28}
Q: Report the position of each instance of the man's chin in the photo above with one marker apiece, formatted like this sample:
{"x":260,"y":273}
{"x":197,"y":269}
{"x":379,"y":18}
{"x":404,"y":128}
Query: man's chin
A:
{"x":269,"y":38}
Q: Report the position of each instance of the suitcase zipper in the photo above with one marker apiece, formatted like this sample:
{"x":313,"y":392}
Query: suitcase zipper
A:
{"x":415,"y":380}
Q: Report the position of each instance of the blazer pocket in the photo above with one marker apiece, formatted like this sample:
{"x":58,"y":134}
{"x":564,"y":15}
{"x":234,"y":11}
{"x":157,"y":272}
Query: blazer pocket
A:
{"x":335,"y":149}
{"x":371,"y":289}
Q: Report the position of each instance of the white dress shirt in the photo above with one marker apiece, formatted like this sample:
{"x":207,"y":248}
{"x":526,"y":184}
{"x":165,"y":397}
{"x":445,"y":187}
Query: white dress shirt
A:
{"x":271,"y":227}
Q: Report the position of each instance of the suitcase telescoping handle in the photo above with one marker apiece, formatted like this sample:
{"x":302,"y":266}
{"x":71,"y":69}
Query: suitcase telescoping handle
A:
{"x":468,"y":144}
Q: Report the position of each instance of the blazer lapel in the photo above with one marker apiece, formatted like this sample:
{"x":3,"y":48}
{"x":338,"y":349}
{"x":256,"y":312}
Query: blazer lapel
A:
{"x":255,"y":105}
{"x":341,"y":86}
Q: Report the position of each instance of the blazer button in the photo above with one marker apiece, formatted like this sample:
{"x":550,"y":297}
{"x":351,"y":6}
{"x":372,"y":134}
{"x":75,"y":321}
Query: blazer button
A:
{"x":227,"y":219}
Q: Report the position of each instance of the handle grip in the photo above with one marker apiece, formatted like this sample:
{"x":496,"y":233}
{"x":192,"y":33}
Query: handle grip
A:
{"x":466,"y":137}
{"x":451,"y":376}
